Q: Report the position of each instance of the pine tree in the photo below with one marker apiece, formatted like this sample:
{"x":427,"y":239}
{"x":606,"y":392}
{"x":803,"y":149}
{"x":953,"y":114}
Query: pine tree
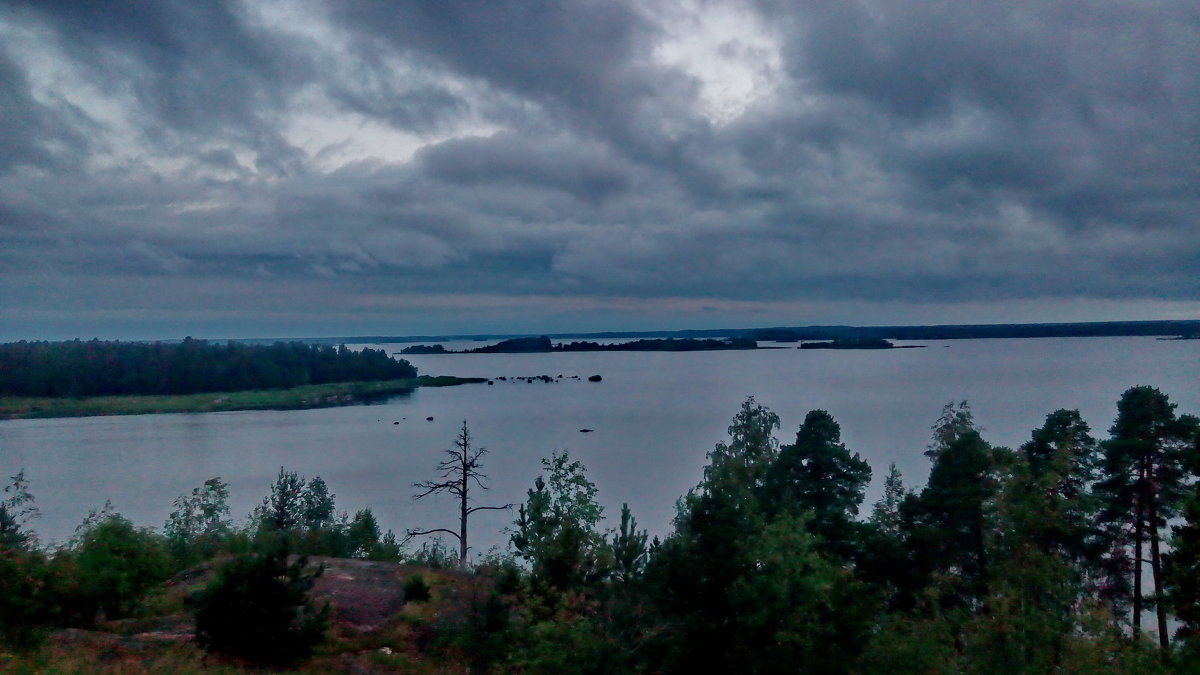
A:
{"x":818,"y":474}
{"x":1142,"y":485}
{"x":950,"y":515}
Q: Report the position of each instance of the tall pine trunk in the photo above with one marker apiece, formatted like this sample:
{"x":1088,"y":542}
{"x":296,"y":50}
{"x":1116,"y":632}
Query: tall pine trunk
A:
{"x":1138,"y":521}
{"x":1156,"y":569}
{"x":462,"y":523}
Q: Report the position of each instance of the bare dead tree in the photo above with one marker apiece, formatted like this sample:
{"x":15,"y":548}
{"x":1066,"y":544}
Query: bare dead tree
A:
{"x":459,"y":470}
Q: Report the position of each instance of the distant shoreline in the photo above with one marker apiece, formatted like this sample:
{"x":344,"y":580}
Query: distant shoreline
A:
{"x":296,"y":398}
{"x":543,"y":345}
{"x":827,"y":332}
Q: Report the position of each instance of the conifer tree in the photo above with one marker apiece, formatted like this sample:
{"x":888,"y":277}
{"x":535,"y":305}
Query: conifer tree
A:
{"x":818,"y":474}
{"x":1142,"y":485}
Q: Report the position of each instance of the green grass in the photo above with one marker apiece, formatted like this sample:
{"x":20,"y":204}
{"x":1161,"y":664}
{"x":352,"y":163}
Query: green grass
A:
{"x":308,"y":396}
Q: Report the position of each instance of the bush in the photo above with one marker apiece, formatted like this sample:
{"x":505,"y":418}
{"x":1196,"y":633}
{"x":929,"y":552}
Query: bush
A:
{"x":22,"y":605}
{"x":117,"y":563}
{"x":257,"y":608}
{"x":415,"y":589}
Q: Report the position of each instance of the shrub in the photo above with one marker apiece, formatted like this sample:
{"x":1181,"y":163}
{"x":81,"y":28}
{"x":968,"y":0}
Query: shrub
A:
{"x":415,"y":589}
{"x":117,"y":563}
{"x":22,"y":605}
{"x":257,"y":608}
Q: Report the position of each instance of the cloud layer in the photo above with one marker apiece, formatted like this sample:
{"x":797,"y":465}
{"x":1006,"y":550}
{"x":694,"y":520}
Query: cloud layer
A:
{"x":307,"y":167}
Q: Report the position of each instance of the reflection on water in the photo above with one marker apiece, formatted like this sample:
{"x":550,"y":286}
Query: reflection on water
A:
{"x":654,"y":417}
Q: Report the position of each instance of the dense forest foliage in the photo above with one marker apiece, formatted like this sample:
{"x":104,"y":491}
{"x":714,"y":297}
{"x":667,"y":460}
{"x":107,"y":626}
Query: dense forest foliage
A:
{"x":102,"y":368}
{"x":1068,"y":554}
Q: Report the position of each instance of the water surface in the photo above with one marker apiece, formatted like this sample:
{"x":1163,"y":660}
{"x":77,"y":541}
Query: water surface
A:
{"x":654,"y":417}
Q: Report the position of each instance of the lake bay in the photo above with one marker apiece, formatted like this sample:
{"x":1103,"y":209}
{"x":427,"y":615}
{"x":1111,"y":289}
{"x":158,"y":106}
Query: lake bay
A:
{"x":654,"y":417}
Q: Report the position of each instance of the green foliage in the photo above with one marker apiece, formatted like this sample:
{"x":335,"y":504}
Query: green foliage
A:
{"x":1183,"y":571}
{"x":886,"y":515}
{"x":415,"y":589}
{"x":117,"y":563}
{"x":257,"y":608}
{"x":818,"y":474}
{"x":317,"y":510}
{"x":628,"y":549}
{"x":434,"y":554}
{"x":24,"y":602}
{"x":912,"y":642}
{"x":555,"y":531}
{"x":17,"y":508}
{"x":950,"y":518}
{"x":743,"y":580}
{"x":1143,"y":482}
{"x":283,"y":509}
{"x":200,"y":521}
{"x":362,"y":534}
{"x":798,"y":609}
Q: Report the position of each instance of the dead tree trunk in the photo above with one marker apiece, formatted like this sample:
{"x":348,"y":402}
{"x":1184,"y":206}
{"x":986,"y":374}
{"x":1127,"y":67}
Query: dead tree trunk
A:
{"x":458,"y":471}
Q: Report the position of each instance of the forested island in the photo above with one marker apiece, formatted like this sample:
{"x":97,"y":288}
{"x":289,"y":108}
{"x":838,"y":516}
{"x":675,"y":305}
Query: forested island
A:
{"x":543,"y":344}
{"x":54,"y":379}
{"x":854,"y":343}
{"x":1068,"y":554}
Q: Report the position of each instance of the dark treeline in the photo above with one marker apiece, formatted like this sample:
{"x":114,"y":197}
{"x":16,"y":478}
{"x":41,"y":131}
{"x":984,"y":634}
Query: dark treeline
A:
{"x":795,"y":333}
{"x":101,"y":368}
{"x":1068,"y":554}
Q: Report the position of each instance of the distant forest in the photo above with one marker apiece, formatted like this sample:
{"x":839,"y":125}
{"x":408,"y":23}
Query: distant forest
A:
{"x":796,"y":333}
{"x":102,"y":368}
{"x":530,"y":345}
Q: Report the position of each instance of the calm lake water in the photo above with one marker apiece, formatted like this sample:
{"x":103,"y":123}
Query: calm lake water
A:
{"x":654,"y":417}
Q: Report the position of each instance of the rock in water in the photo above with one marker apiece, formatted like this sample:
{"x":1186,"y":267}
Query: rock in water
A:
{"x":595,"y":378}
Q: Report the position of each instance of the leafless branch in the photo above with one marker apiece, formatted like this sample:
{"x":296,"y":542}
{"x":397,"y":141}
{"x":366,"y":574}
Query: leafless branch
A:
{"x":420,"y":533}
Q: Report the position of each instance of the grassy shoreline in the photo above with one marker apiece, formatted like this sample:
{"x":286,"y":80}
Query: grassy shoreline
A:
{"x":296,"y":398}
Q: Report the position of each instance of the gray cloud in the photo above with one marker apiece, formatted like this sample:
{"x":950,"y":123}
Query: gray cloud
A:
{"x":400,"y":155}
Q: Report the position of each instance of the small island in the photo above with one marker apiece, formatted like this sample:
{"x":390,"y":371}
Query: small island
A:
{"x":543,"y":344}
{"x":856,"y":343}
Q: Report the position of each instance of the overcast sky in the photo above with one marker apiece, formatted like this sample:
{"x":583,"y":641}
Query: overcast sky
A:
{"x":234,"y":169}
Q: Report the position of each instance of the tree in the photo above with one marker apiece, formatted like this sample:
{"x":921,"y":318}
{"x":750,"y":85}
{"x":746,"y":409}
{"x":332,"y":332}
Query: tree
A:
{"x":1049,"y":500}
{"x":118,"y":563}
{"x":459,"y":470}
{"x":16,"y":510}
{"x":950,"y":515}
{"x":798,"y":611}
{"x":629,"y":549}
{"x":362,"y":535}
{"x":885,"y":515}
{"x":556,"y":527}
{"x":257,"y":608}
{"x":318,"y":509}
{"x":283,"y":509}
{"x":1143,"y":479}
{"x":818,"y":474}
{"x":199,"y":520}
{"x":697,"y":565}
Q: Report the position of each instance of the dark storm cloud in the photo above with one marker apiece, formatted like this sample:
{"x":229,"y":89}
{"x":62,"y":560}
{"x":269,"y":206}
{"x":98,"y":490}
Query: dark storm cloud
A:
{"x":903,"y":151}
{"x":32,"y":133}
